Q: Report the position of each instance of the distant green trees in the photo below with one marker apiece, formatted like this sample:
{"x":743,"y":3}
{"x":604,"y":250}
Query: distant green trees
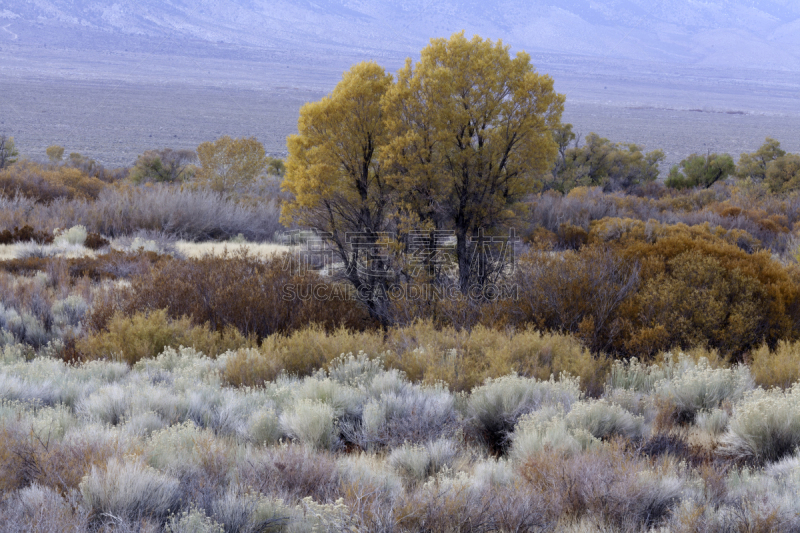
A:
{"x":772,"y":166}
{"x":164,"y":166}
{"x":700,"y":171}
{"x":783,"y":173}
{"x":600,"y":162}
{"x":8,"y":151}
{"x":754,"y":165}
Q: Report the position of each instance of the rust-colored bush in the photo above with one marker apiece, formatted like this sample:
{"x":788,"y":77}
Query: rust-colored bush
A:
{"x":95,"y":241}
{"x":24,"y":234}
{"x":257,"y":297}
{"x":639,"y":288}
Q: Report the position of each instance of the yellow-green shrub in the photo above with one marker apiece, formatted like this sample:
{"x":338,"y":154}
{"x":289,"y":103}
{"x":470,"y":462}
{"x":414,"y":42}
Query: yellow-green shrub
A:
{"x":776,"y":368}
{"x":142,"y":335}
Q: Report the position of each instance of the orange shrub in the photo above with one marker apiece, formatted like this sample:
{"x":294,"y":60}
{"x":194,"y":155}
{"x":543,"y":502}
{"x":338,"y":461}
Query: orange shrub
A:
{"x":46,"y":183}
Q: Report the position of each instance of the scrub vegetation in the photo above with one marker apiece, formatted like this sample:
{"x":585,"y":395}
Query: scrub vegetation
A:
{"x":181,"y":352}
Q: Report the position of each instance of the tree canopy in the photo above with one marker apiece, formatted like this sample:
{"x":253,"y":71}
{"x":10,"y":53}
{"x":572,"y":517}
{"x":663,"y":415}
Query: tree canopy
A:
{"x":227,"y":163}
{"x":163,"y":166}
{"x":700,"y":170}
{"x":452,"y":145}
{"x":8,"y":151}
{"x":754,"y":165}
{"x":599,"y":162}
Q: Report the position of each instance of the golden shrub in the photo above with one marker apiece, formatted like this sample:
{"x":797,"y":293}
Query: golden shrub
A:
{"x":776,"y":368}
{"x":143,"y":335}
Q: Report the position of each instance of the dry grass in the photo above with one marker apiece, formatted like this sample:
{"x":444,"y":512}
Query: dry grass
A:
{"x":254,"y":249}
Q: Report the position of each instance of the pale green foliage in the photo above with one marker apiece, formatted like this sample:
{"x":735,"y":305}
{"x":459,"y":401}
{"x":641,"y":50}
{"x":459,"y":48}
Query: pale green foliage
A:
{"x":249,"y":512}
{"x":264,"y":426}
{"x":130,"y":489}
{"x":494,"y":473}
{"x":411,"y":462}
{"x":70,"y":311}
{"x":783,"y":174}
{"x":713,"y":422}
{"x":495,"y":407}
{"x":636,"y":376}
{"x":754,"y":165}
{"x":8,"y":151}
{"x":603,"y":420}
{"x":355,"y":370}
{"x":76,"y":235}
{"x":416,"y":463}
{"x":311,"y":422}
{"x":163,"y":166}
{"x":697,"y":386}
{"x":180,"y":447}
{"x":192,"y":521}
{"x":535,"y":433}
{"x":765,"y":426}
{"x":343,"y":399}
{"x":599,"y":162}
{"x":700,"y":171}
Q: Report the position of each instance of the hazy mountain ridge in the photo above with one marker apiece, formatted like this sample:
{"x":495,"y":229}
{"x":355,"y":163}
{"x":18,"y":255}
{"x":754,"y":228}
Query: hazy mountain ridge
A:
{"x":740,"y":33}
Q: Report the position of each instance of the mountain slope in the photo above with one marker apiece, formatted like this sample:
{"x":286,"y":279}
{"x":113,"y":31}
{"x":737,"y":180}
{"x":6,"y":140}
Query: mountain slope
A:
{"x":736,"y":33}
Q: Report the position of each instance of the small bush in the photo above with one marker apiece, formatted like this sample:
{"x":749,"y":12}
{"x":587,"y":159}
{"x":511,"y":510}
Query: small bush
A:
{"x":713,"y":422}
{"x":604,"y":420}
{"x":264,"y":427}
{"x":130,"y":490}
{"x":765,"y":426}
{"x":550,"y":434}
{"x":696,"y":386}
{"x":495,"y":407}
{"x":776,"y":368}
{"x":416,"y":463}
{"x":249,"y":513}
{"x":192,"y":521}
{"x":311,"y":422}
{"x":411,"y":462}
{"x":76,"y":235}
{"x":410,"y":414}
{"x":70,"y":311}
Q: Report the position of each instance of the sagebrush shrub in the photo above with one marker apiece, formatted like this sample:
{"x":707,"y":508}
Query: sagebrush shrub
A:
{"x":604,"y":420}
{"x":765,"y":426}
{"x":495,"y":407}
{"x":76,"y":235}
{"x":696,"y":386}
{"x":131,"y":490}
{"x":311,"y":422}
{"x":548,"y":430}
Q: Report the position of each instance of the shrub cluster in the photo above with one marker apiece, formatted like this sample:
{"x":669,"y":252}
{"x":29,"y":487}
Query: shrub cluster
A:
{"x":641,"y":288}
{"x":165,"y":445}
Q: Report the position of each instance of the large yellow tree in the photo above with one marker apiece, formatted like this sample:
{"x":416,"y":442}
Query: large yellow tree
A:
{"x":453,"y":145}
{"x":336,"y":179}
{"x":471,"y":133}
